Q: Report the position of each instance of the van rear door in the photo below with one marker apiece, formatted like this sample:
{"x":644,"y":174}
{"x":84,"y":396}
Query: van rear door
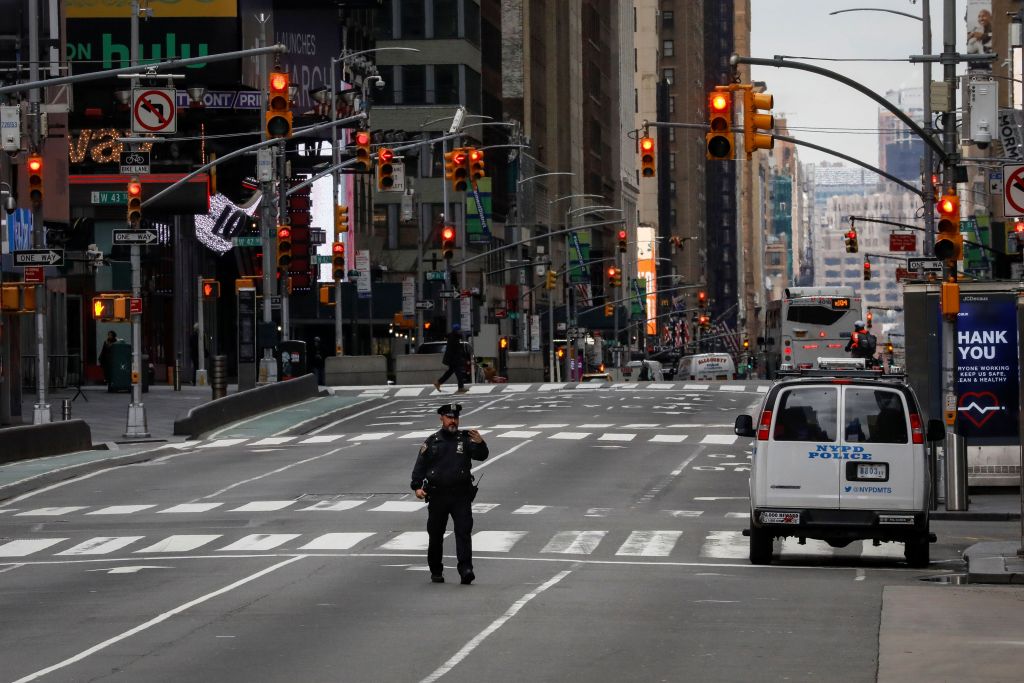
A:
{"x":880,"y":465}
{"x":799,"y":460}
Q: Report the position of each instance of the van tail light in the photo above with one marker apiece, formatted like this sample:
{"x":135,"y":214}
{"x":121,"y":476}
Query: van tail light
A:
{"x":916,"y":433}
{"x":765,"y":425}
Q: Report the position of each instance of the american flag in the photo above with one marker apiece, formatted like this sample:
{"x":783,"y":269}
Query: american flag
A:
{"x":584,"y":294}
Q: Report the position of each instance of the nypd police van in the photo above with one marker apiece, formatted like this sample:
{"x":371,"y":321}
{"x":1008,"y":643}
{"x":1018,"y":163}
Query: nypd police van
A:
{"x":839,"y":457}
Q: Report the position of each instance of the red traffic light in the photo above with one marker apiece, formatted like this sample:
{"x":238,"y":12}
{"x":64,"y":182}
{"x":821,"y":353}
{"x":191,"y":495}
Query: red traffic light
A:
{"x":851,"y":235}
{"x":475,"y":154}
{"x":284,"y":233}
{"x":611,"y":271}
{"x":448,"y":233}
{"x":338,"y":248}
{"x":622,"y":234}
{"x":1018,"y":227}
{"x":867,"y":265}
{"x":278,"y":82}
{"x":35,"y":164}
{"x":134,"y":188}
{"x":362,"y":137}
{"x":647,"y":144}
{"x":459,"y":158}
{"x":949,"y":204}
{"x":385,"y":155}
{"x":719,"y":102}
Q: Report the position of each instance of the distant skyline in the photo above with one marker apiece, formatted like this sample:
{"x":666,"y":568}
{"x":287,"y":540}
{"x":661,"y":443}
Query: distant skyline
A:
{"x":809,"y":101}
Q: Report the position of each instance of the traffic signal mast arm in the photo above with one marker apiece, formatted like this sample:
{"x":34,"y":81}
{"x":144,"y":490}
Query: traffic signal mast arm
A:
{"x":919,"y":229}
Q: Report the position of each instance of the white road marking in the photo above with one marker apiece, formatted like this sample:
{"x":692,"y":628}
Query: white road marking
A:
{"x":481,"y":388}
{"x":685,"y":513}
{"x":730,"y":387}
{"x":410,"y":391}
{"x":812,"y":546}
{"x":277,"y":471}
{"x":399,"y":506}
{"x":650,"y":543}
{"x":332,"y":505}
{"x":219,"y":443}
{"x":528,"y":509}
{"x":720,"y":439}
{"x":180,"y":543}
{"x":570,"y":436}
{"x":120,"y":509}
{"x":763,"y":389}
{"x":551,"y":387}
{"x":263,"y":506}
{"x":326,"y":427}
{"x":323,"y":438}
{"x":574,"y":542}
{"x":721,"y":498}
{"x":496,"y":541}
{"x":410,"y":540}
{"x":337,"y":541}
{"x":506,"y":426}
{"x":593,"y":426}
{"x":371,"y":436}
{"x":549,"y":426}
{"x":597,"y":512}
{"x":518,"y":434}
{"x":491,"y":461}
{"x":155,"y":620}
{"x":617,"y":437}
{"x":641,"y":425}
{"x":421,"y":434}
{"x":725,"y":545}
{"x":494,"y":626}
{"x":189,"y":508}
{"x":483,"y":508}
{"x":27,"y":546}
{"x":8,"y":510}
{"x":737,"y":515}
{"x":101,"y":545}
{"x":273,"y":441}
{"x":668,"y":438}
{"x":258,"y":542}
{"x":51,"y":512}
{"x":698,"y":387}
{"x":516,"y":388}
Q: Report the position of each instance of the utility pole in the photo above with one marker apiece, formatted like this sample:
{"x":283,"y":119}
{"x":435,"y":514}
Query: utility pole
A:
{"x":41,"y":410}
{"x":929,"y":156}
{"x":339,"y":345}
{"x":268,"y":368}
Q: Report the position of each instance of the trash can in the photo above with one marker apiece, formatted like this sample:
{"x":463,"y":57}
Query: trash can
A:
{"x":292,"y":360}
{"x":120,"y":378}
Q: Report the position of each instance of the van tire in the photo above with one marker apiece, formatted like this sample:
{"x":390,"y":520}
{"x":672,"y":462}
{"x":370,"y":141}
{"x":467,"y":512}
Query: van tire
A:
{"x":761,"y":546}
{"x":917,"y":552}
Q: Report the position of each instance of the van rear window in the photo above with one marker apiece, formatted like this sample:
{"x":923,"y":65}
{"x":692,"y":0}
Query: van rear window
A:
{"x":807,"y":415}
{"x":874,"y":416}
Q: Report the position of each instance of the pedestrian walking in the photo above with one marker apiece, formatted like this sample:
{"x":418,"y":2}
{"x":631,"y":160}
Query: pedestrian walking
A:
{"x":455,"y":359}
{"x":442,"y":477}
{"x":317,"y":357}
{"x":104,"y":357}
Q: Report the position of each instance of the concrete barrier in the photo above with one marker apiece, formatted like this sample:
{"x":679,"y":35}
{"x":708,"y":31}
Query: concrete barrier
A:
{"x":355,"y":370}
{"x":525,"y":366}
{"x":419,"y":368}
{"x":243,"y":404}
{"x":37,"y":441}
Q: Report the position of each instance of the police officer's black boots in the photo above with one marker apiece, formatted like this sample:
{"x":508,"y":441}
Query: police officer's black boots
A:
{"x":467,"y":577}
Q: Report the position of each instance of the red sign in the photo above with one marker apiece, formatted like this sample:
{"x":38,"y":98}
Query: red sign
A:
{"x":902,"y":274}
{"x":500,"y":313}
{"x":136,"y":306}
{"x":902,"y":241}
{"x":34,"y":274}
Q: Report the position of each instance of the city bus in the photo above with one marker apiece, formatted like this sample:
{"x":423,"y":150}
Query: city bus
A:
{"x":808,"y":323}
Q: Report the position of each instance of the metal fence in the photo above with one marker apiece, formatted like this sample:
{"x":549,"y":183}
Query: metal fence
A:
{"x":65,"y":370}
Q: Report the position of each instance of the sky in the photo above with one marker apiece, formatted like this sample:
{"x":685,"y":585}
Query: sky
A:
{"x":803,"y":28}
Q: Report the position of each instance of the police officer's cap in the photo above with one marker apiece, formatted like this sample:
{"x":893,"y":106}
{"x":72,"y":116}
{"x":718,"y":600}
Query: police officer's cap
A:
{"x":450,"y":409}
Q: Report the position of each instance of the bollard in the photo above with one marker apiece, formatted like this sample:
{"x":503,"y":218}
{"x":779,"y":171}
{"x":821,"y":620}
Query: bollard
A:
{"x":65,"y":409}
{"x":956,"y":472}
{"x":219,"y":376}
{"x":177,"y":372}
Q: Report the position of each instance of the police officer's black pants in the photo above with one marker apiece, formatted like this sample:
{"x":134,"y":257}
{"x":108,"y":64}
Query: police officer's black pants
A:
{"x":459,"y":507}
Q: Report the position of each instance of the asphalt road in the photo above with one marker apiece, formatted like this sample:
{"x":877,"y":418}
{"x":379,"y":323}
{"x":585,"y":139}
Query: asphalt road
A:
{"x":607,"y":547}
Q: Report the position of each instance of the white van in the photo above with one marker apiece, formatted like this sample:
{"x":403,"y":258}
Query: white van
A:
{"x":642,"y":371}
{"x":839,"y":459}
{"x":706,"y":366}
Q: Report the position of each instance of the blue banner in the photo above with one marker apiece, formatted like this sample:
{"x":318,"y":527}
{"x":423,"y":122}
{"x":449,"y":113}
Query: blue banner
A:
{"x":987,"y":364}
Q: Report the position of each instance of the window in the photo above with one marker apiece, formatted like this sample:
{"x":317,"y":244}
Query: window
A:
{"x":386,"y":95}
{"x":414,"y":19}
{"x":874,"y":416}
{"x":833,"y":261}
{"x":806,"y":415}
{"x":414,"y":84}
{"x":672,"y":161}
{"x":668,"y":18}
{"x":384,"y":28}
{"x":813,"y":315}
{"x":668,"y":48}
{"x":446,"y":18}
{"x":668,"y":75}
{"x":446,"y":84}
{"x":473,"y":90}
{"x":472,"y":19}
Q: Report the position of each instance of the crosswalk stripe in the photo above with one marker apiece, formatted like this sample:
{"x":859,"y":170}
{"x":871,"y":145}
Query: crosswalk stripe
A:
{"x":273,"y":441}
{"x":120,"y":509}
{"x":481,"y":508}
{"x":528,"y":509}
{"x":332,"y":505}
{"x":27,"y":546}
{"x":701,"y":387}
{"x":641,"y":425}
{"x":323,"y":438}
{"x":421,"y":434}
{"x":263,"y":506}
{"x":101,"y":545}
{"x":732,"y":387}
{"x":409,"y":540}
{"x":574,"y":542}
{"x":725,"y":545}
{"x":551,"y":387}
{"x":371,"y":436}
{"x":720,"y":439}
{"x":496,"y":541}
{"x":410,"y":391}
{"x":570,"y":436}
{"x":685,"y":513}
{"x":516,"y":388}
{"x":762,"y":388}
{"x":258,"y":542}
{"x":518,"y":434}
{"x":51,"y":512}
{"x":812,"y":546}
{"x":661,"y":385}
{"x":549,"y":426}
{"x":650,"y":543}
{"x":617,"y":437}
{"x":180,"y":543}
{"x":668,"y":438}
{"x":218,"y":443}
{"x":337,"y":541}
{"x":889,"y":551}
{"x":504,"y":426}
{"x":481,"y":388}
{"x":185,"y":508}
{"x":399,"y":506}
{"x":737,"y":515}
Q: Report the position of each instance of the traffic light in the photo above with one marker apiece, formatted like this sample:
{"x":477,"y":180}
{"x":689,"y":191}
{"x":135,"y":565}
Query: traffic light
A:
{"x":1018,"y":236}
{"x":702,"y":300}
{"x":618,"y":277}
{"x":609,"y":310}
{"x":325,"y":295}
{"x":455,"y":169}
{"x":611,"y":276}
{"x":889,"y":348}
{"x":949,"y":243}
{"x":134,"y":192}
{"x":704,"y":322}
{"x":550,"y":279}
{"x":867,"y":270}
{"x":17,"y":297}
{"x":385,"y":169}
{"x":622,"y":241}
{"x":869,"y":317}
{"x":503,"y":343}
{"x":340,"y":219}
{"x":338,"y":261}
{"x":648,"y":167}
{"x":721,"y":143}
{"x":476,"y":164}
{"x":756,"y":123}
{"x":284,"y":247}
{"x":851,"y":241}
{"x":362,"y":140}
{"x":279,"y":106}
{"x":111,"y":308}
{"x":746,"y":344}
{"x":448,"y":241}
{"x":35,"y":180}
{"x":211,"y":288}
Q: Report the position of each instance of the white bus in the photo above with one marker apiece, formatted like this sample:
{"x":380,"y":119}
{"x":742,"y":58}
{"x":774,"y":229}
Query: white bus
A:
{"x":806,"y":324}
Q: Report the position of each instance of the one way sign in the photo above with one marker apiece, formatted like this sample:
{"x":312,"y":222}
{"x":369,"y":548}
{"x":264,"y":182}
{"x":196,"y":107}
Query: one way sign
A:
{"x":39,"y":257}
{"x":132,"y":237}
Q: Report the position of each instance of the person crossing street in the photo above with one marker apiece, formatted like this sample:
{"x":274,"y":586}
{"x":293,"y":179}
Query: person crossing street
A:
{"x":455,"y":359}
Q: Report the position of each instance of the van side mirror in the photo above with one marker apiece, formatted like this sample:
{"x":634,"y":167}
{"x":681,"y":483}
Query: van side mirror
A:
{"x":744,"y":426}
{"x":936,"y":431}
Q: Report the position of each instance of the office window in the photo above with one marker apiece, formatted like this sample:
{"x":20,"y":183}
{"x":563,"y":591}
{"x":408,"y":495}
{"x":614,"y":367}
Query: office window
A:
{"x":668,"y":75}
{"x":472,"y":19}
{"x":446,"y":84}
{"x":668,"y":48}
{"x":672,"y":161}
{"x":386,"y":95}
{"x":446,"y":18}
{"x":414,"y":19}
{"x":414,"y":84}
{"x":668,"y":19}
{"x":384,"y":30}
{"x":473,"y":90}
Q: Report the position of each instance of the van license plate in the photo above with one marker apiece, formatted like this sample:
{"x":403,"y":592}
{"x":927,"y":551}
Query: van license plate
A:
{"x":780,"y":517}
{"x":872,"y":471}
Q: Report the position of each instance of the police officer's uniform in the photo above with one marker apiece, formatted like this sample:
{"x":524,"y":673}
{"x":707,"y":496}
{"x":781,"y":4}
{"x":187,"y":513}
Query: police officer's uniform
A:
{"x":443,"y":471}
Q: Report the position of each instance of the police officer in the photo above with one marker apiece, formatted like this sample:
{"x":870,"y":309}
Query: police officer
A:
{"x":442,"y":477}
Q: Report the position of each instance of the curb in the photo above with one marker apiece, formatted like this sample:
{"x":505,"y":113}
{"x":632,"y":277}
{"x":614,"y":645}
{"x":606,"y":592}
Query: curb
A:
{"x":238,"y":406}
{"x":70,"y":472}
{"x":38,"y":441}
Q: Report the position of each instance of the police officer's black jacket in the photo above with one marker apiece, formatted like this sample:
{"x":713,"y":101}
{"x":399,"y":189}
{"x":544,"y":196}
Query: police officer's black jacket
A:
{"x":444,"y":462}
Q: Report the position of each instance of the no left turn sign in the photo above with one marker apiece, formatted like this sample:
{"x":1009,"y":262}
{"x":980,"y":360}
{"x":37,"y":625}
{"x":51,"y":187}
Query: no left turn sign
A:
{"x":1013,"y":190}
{"x":153,"y":111}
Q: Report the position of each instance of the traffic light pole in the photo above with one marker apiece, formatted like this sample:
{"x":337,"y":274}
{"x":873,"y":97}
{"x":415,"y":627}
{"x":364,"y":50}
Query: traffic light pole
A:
{"x":339,"y":346}
{"x":41,"y":409}
{"x":267,"y":372}
{"x":201,"y":332}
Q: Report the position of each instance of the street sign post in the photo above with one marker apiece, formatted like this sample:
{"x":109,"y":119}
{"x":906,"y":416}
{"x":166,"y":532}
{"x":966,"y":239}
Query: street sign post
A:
{"x":247,"y":241}
{"x":133,"y":237}
{"x":153,"y":111}
{"x":435,"y":276}
{"x":928,"y":265}
{"x":135,"y":163}
{"x":39,"y":257}
{"x":449,"y":294}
